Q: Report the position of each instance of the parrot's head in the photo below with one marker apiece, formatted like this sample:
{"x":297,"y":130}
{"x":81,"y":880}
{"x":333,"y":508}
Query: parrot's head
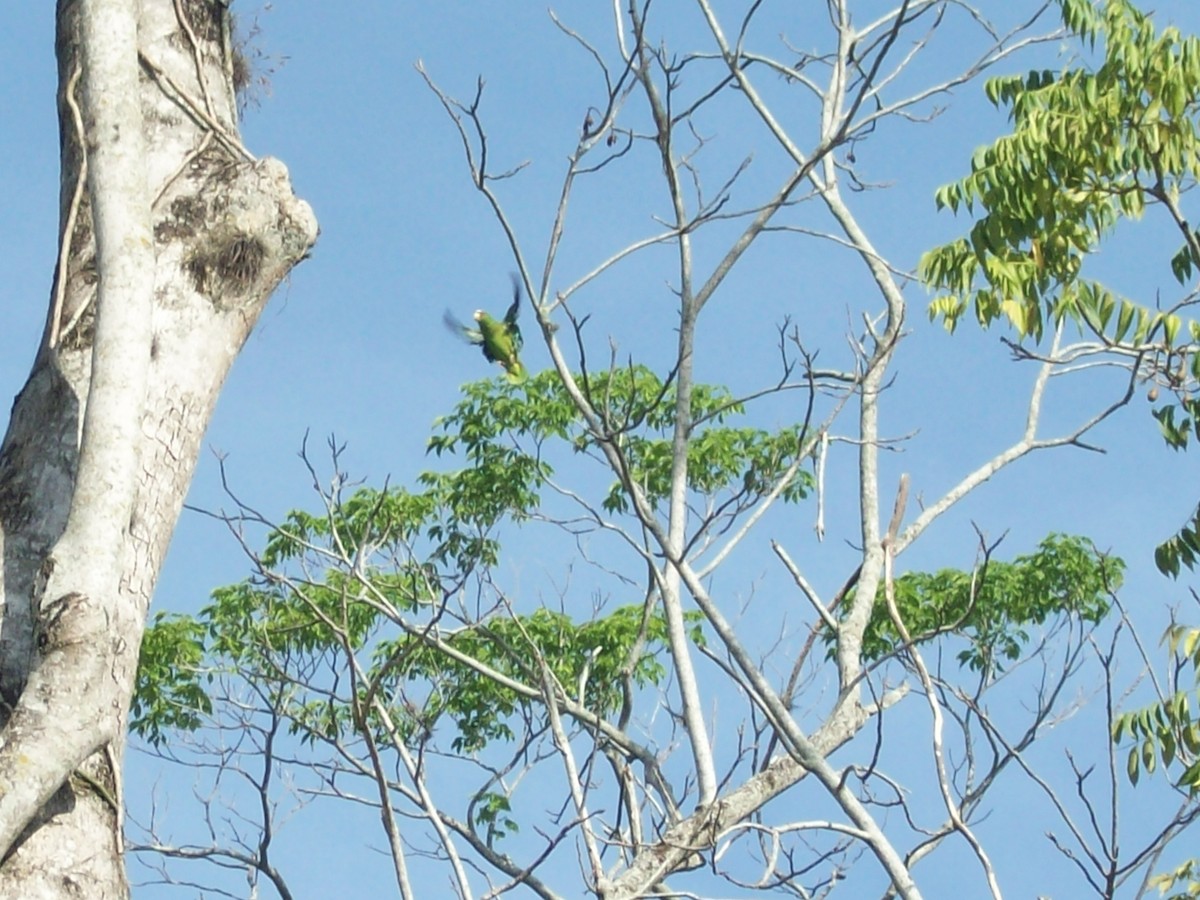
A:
{"x":478,"y":315}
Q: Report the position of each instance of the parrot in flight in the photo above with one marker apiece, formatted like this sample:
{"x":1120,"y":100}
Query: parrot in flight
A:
{"x":499,"y":340}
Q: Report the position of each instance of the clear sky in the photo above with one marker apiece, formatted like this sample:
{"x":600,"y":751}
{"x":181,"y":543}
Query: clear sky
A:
{"x":353,"y":343}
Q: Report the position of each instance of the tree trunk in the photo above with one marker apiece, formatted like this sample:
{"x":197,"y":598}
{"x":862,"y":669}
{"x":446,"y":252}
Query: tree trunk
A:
{"x":173,"y":237}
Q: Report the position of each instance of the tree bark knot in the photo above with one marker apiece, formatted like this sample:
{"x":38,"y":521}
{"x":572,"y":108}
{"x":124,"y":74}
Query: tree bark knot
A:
{"x":256,"y":231}
{"x":55,"y":625}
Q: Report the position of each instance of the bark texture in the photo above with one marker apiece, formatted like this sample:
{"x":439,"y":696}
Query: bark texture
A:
{"x":174,"y":237}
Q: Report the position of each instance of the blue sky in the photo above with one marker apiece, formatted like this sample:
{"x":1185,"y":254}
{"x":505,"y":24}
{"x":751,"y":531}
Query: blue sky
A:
{"x":353,"y":344}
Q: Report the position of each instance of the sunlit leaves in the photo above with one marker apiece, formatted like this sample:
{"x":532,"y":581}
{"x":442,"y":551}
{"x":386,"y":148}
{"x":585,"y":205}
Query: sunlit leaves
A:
{"x":719,"y":459}
{"x":504,"y":426}
{"x":491,"y":810}
{"x":1181,"y":883}
{"x":169,"y":693}
{"x":1179,"y":424}
{"x":995,"y":608}
{"x":1087,"y":149}
{"x":1167,"y":733}
{"x":370,"y":576}
{"x":421,"y":680}
{"x":1175,"y":432}
{"x":592,"y":657}
{"x":366,"y":518}
{"x":1165,"y":736}
{"x":1183,"y":549}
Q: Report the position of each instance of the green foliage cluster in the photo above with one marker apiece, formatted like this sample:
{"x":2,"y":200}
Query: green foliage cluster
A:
{"x":592,"y":655}
{"x":392,"y":557}
{"x":1087,"y":149}
{"x":994,"y":608}
{"x":274,"y":633}
{"x":170,"y":694}
{"x":636,"y":409}
{"x":1183,"y":548}
{"x":1167,"y":733}
{"x":1186,"y":877}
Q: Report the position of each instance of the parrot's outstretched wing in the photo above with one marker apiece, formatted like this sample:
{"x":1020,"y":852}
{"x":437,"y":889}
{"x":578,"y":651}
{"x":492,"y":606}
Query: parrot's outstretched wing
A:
{"x":466,"y":332}
{"x":514,"y":310}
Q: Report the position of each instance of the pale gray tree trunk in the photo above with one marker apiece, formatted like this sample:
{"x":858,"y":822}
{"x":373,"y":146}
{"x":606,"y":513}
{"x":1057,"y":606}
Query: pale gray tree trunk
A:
{"x":174,"y":237}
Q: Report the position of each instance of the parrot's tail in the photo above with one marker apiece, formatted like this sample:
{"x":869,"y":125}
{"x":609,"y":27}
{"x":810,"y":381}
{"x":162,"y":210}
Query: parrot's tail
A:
{"x":515,"y":371}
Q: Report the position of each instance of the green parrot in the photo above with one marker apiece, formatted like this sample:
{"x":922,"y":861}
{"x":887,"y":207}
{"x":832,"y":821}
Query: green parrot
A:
{"x":500,"y":340}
